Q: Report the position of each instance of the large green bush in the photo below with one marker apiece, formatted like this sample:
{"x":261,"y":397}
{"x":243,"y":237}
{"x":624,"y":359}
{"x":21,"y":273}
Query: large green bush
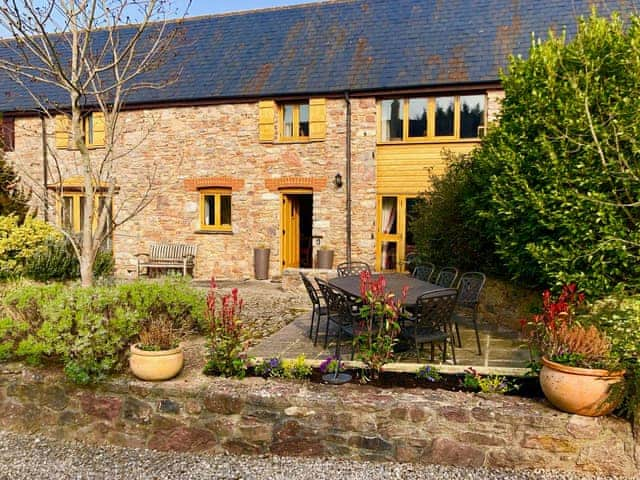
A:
{"x":560,"y":174}
{"x":88,"y":330}
{"x":440,"y":228}
{"x":20,"y":241}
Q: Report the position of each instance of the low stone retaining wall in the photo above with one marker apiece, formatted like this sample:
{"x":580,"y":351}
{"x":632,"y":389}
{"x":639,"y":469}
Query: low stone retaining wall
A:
{"x":289,"y":418}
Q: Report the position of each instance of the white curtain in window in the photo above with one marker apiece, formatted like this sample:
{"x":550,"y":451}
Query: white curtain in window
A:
{"x":389,"y":212}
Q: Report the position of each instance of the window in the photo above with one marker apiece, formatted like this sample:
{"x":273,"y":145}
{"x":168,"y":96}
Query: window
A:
{"x":215,"y":209}
{"x":8,"y":134}
{"x":294,"y":121}
{"x":93,"y":129}
{"x":72,"y":210}
{"x":431,"y":118}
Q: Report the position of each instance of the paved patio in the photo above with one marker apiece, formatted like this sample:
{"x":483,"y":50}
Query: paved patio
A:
{"x":501,"y":348}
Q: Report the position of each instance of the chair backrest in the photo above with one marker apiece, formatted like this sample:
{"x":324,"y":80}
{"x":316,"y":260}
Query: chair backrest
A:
{"x":447,"y":277}
{"x":470,"y":288}
{"x":347,"y":269}
{"x":424,"y":272}
{"x":313,"y":294}
{"x":435,"y":309}
{"x":332,"y":298}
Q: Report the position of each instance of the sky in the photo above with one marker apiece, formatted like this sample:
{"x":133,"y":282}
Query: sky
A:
{"x":204,"y":7}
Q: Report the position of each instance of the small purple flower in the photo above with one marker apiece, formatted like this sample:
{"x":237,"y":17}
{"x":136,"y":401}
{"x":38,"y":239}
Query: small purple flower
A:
{"x":324,"y":366}
{"x":274,"y":362}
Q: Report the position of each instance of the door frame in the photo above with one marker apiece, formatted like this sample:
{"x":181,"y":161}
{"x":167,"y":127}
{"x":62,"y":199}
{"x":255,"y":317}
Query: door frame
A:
{"x":284,"y":193}
{"x":400,"y":237}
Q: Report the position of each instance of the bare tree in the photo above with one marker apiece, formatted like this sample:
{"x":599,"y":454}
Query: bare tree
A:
{"x":79,"y":56}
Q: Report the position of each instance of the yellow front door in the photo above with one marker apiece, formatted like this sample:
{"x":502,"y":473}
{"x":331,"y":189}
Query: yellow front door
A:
{"x":290,"y":240}
{"x":392,"y":236}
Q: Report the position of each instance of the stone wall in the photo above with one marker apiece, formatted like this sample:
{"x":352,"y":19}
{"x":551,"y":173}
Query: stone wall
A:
{"x":255,"y":416}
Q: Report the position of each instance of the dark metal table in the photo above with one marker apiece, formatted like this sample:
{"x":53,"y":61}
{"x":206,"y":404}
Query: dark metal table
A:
{"x":395,"y":283}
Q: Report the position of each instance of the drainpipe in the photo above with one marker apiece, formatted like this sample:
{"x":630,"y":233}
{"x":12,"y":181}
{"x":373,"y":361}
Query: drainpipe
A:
{"x":45,"y":167}
{"x":348,"y":174}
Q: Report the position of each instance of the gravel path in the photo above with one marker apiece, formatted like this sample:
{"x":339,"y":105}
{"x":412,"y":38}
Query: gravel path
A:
{"x":29,"y":457}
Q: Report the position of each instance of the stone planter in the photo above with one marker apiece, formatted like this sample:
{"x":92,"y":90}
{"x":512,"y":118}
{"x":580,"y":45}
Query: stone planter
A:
{"x":324,"y":259}
{"x":584,"y":391}
{"x":155,"y":366}
{"x":261,"y":263}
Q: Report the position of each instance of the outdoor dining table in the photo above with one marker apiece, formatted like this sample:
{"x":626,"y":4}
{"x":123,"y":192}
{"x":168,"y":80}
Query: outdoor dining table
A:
{"x":395,"y":283}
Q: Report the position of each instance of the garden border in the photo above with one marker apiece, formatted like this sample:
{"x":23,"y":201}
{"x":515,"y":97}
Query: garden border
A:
{"x":255,"y":416}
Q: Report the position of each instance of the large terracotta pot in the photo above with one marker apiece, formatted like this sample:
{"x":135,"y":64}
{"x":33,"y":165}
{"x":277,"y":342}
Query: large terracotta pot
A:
{"x":158,"y":365}
{"x":584,"y":391}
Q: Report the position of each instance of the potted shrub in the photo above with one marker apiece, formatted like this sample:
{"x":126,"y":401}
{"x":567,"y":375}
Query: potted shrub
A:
{"x":579,"y":373}
{"x":157,"y":354}
{"x":261,"y":262}
{"x":324,"y":258}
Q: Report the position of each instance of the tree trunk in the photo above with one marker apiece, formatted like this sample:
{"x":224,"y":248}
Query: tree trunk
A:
{"x":86,"y":269}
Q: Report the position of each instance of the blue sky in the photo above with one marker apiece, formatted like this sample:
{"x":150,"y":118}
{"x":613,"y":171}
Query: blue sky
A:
{"x":204,"y":7}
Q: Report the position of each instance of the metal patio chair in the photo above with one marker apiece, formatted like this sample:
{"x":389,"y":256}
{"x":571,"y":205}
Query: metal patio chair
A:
{"x":352,"y":268}
{"x":432,"y":322}
{"x":318,"y":311}
{"x":342,"y":312}
{"x":469,"y":290}
{"x":423,"y":271}
{"x":447,"y":277}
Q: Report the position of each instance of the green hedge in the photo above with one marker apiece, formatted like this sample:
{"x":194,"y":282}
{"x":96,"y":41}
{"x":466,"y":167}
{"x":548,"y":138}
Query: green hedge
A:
{"x":88,"y":330}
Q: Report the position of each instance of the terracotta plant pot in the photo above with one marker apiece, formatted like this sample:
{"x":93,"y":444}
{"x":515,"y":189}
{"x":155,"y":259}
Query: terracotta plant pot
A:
{"x":583,"y":391}
{"x":324,"y":259}
{"x":158,"y":365}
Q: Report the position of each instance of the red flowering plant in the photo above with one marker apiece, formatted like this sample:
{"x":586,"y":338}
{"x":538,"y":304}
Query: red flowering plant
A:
{"x":227,"y":343}
{"x":379,"y":325}
{"x":558,"y":335}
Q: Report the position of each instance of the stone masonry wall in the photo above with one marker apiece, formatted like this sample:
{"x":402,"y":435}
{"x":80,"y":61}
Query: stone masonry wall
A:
{"x":255,"y":416}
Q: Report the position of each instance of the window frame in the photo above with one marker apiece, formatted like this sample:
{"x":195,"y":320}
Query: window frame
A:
{"x":216,"y":192}
{"x":8,"y":134}
{"x":77,"y":217}
{"x":295,"y":121}
{"x":431,"y":118}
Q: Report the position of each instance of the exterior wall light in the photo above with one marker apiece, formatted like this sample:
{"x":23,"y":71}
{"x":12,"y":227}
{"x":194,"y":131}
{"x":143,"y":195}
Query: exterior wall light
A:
{"x":337,"y":180}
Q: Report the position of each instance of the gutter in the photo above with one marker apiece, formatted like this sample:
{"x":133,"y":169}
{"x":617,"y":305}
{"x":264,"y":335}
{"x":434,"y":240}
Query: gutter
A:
{"x":348,"y":175}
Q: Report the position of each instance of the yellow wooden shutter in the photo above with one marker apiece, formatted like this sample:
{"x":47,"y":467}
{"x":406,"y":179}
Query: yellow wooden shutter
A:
{"x":317,"y":119}
{"x":98,"y":129}
{"x":266,"y":124}
{"x":63,"y":131}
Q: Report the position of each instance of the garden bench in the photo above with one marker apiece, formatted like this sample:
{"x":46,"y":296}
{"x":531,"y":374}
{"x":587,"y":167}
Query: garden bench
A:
{"x":165,"y":256}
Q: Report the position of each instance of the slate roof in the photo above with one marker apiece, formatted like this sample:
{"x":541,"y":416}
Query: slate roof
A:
{"x":355,"y":45}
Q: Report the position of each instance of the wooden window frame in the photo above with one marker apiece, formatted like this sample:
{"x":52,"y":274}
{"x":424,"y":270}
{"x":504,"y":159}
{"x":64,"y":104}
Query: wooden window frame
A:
{"x":8,"y":134}
{"x":431,"y":119}
{"x":296,"y":122}
{"x":217,"y":193}
{"x":76,"y":220}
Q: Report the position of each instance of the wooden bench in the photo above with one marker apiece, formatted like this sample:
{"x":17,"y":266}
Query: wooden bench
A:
{"x":165,"y":256}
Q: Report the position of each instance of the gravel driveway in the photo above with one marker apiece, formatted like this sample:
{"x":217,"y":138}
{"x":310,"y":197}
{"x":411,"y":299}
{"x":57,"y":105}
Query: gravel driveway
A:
{"x":29,"y":457}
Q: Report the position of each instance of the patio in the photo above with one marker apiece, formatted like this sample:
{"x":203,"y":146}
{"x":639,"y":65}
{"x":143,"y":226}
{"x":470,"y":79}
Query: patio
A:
{"x":501,"y":348}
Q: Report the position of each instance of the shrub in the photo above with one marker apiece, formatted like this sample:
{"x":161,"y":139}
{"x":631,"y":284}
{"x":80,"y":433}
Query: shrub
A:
{"x":21,"y":241}
{"x":88,"y":330}
{"x":13,"y":201}
{"x":277,"y":368}
{"x":560,"y":176}
{"x":227,"y":343}
{"x":440,"y":226}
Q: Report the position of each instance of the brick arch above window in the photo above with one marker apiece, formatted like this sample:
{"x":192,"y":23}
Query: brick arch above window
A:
{"x":198,"y":183}
{"x":313,"y":183}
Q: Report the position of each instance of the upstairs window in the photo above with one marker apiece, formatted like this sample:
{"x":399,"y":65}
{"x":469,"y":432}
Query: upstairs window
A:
{"x":215,"y":209}
{"x":447,"y":117}
{"x":294,"y":121}
{"x":8,"y":134}
{"x":93,"y":129}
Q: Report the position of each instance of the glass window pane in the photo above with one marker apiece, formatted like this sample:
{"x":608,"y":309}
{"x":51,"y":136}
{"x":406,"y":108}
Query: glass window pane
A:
{"x":82,"y":203}
{"x":287,"y":127}
{"x":471,"y":115}
{"x":444,"y":116}
{"x":389,"y":255}
{"x":303,"y":130}
{"x":389,"y":215}
{"x":417,"y":117}
{"x":67,"y":213}
{"x":88,"y":129}
{"x":392,"y":119}
{"x":209,"y":209}
{"x":225,"y":209}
